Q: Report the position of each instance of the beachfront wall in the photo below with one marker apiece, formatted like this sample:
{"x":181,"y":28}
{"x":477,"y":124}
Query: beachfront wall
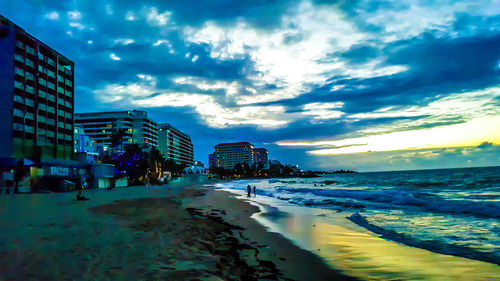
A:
{"x":102,"y":176}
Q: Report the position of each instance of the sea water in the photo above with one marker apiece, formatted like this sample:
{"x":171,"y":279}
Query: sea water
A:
{"x":448,"y":211}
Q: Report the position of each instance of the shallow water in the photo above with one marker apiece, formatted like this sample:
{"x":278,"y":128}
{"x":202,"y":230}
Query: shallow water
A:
{"x":454,"y":212}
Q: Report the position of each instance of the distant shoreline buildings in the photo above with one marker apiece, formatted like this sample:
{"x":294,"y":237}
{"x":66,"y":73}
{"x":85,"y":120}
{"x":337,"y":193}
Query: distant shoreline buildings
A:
{"x":227,"y":155}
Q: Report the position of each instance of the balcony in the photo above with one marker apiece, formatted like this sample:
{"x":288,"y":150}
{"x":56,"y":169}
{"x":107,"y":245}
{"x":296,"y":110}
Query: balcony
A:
{"x":30,"y":63}
{"x":19,"y":71}
{"x":30,"y":76}
{"x":51,"y":62}
{"x":51,"y":109}
{"x":41,"y":119}
{"x":20,"y":44}
{"x":18,"y":85}
{"x":30,"y":102}
{"x":42,"y":82}
{"x":19,"y":58}
{"x":29,"y":129}
{"x":18,"y":113}
{"x":18,"y":127}
{"x":18,"y":99}
{"x":51,"y":98}
{"x":42,"y":94}
{"x":68,"y":115}
{"x":29,"y":116}
{"x":30,"y":50}
{"x":30,"y":89}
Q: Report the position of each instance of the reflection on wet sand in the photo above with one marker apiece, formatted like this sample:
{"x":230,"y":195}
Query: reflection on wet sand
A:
{"x":360,"y":253}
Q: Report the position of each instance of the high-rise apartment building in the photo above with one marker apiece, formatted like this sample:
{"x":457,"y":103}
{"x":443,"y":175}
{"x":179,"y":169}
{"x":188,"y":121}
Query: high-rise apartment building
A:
{"x":133,"y":126}
{"x":229,"y":154}
{"x":36,"y":97}
{"x":261,"y":156}
{"x":175,"y":145}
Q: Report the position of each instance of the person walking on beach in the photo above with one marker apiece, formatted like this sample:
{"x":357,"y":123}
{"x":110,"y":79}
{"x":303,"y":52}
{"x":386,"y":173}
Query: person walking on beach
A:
{"x":79,"y":196}
{"x":249,"y":190}
{"x":254,"y":192}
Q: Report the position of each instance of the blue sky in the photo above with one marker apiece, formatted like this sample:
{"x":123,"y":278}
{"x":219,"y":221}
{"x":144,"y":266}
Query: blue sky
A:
{"x":364,"y":85}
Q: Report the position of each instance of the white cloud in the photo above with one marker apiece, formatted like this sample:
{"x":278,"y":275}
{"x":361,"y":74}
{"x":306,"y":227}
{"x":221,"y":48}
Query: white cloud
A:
{"x":158,"y":19}
{"x":52,"y":15}
{"x":74,"y":15}
{"x":77,"y":25}
{"x":124,"y":41}
{"x":327,"y":110}
{"x":130,"y":16}
{"x":114,"y":57}
{"x":293,"y":68}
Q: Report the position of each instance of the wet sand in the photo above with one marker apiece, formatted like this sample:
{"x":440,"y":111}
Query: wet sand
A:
{"x":359,"y":252}
{"x":138,"y":233}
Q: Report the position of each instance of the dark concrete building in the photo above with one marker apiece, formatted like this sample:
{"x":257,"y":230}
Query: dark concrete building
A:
{"x":175,"y":145}
{"x":36,"y":97}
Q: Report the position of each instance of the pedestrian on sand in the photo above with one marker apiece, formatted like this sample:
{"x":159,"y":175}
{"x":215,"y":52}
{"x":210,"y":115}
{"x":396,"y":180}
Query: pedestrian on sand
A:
{"x":254,"y":192}
{"x":249,"y":190}
{"x":79,"y":196}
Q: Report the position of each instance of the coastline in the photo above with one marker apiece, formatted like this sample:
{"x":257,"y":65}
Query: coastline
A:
{"x":359,"y":252}
{"x":182,"y":231}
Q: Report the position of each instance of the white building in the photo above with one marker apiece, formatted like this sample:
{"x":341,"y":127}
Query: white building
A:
{"x":134,"y":125}
{"x":229,"y":154}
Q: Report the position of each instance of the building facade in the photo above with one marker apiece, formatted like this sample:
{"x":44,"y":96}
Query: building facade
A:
{"x":175,"y":145}
{"x":211,"y":160}
{"x":261,"y":156}
{"x":36,"y":97}
{"x":229,"y":154}
{"x":118,"y":128}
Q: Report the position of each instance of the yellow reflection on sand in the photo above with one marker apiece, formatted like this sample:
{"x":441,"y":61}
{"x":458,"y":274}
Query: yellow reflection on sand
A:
{"x":360,"y":253}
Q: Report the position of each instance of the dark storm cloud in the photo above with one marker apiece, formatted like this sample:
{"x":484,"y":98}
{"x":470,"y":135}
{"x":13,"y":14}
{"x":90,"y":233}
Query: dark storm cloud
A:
{"x":437,"y":66}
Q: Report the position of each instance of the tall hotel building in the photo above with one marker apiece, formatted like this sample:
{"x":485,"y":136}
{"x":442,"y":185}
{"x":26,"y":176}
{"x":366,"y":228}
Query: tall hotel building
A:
{"x":229,"y":154}
{"x":175,"y":145}
{"x":261,"y":156}
{"x":135,"y":125}
{"x":36,"y":97}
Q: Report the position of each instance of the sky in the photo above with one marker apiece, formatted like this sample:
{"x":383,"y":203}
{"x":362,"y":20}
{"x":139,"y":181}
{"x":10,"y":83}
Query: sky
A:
{"x":362,"y":85}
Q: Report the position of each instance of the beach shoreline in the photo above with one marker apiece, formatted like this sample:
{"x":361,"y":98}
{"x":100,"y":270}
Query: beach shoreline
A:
{"x":182,"y":231}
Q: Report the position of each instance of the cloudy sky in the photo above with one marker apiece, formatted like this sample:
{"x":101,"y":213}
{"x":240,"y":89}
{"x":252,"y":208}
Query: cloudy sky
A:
{"x":364,"y":85}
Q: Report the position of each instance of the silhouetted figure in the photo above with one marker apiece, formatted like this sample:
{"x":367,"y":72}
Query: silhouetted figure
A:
{"x":79,"y":196}
{"x":254,"y":192}
{"x":249,"y":190}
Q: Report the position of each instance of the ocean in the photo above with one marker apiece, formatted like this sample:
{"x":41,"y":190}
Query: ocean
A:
{"x":448,"y":211}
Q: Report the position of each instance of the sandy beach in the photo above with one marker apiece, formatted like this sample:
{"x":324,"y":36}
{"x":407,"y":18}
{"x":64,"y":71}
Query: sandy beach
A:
{"x":176,"y":232}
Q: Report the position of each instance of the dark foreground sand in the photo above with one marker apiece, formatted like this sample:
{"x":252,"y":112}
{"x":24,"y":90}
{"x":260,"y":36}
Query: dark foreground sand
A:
{"x":159,"y":233}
